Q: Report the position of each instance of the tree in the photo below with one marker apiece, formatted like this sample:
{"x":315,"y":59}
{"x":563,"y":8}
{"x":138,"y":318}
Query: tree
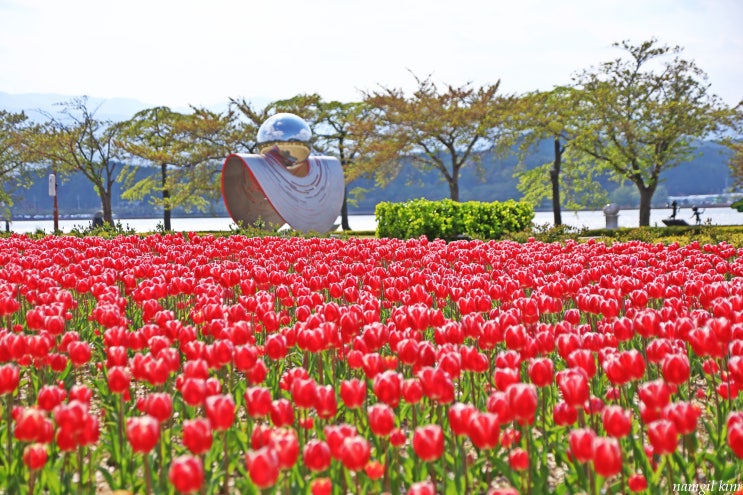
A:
{"x":638,"y":122}
{"x":442,"y":131}
{"x":181,"y":146}
{"x":736,"y":163}
{"x":13,"y":172}
{"x":74,"y":140}
{"x":550,"y":116}
{"x":341,"y":129}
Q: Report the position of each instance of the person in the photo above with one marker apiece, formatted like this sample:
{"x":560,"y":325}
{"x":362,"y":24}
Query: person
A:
{"x":674,"y":208}
{"x":98,"y":219}
{"x":697,"y":214}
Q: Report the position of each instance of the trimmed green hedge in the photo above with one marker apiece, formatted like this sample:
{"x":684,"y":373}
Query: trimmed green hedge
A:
{"x":447,"y":219}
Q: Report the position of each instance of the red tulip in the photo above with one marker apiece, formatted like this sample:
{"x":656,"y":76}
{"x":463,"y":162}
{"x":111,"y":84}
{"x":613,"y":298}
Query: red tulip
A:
{"x":381,"y":419}
{"x":193,"y":391}
{"x":735,"y":433}
{"x":655,"y":395}
{"x":387,"y":387}
{"x":607,"y":456}
{"x":197,"y":435}
{"x":118,"y":379}
{"x":583,"y":359}
{"x":304,"y":392}
{"x":499,"y":405}
{"x":50,"y":396}
{"x":518,"y":459}
{"x":186,"y":474}
{"x":81,"y":393}
{"x":79,"y":353}
{"x":143,"y":433}
{"x":412,"y":390}
{"x":354,"y":453}
{"x":663,"y":436}
{"x":9,"y":378}
{"x":573,"y":384}
{"x":483,"y":430}
{"x":503,"y":377}
{"x":637,"y":482}
{"x":263,"y":467}
{"x":684,"y":416}
{"x":282,"y":412}
{"x":245,"y":357}
{"x":581,"y":444}
{"x":428,"y":442}
{"x":285,"y":443}
{"x":735,"y":367}
{"x":276,"y":346}
{"x":325,"y":402}
{"x":158,"y":405}
{"x":353,"y":393}
{"x":220,"y":409}
{"x":676,"y":369}
{"x":522,"y":399}
{"x":541,"y":371}
{"x":258,"y":373}
{"x":564,"y":414}
{"x":374,"y":470}
{"x":316,"y":455}
{"x":321,"y":486}
{"x":35,"y":456}
{"x":29,"y":424}
{"x":437,"y":385}
{"x":258,"y":401}
{"x":335,"y":436}
{"x":422,"y":488}
{"x":459,"y":417}
{"x":617,"y":421}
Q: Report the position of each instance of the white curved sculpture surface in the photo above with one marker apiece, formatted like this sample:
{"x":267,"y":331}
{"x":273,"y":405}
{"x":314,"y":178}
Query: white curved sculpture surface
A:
{"x":261,"y":188}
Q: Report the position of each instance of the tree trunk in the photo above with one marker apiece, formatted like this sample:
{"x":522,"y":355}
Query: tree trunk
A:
{"x":108,"y":215}
{"x":454,"y":184}
{"x":344,"y":212}
{"x":646,"y":198}
{"x":166,"y":197}
{"x":555,"y":178}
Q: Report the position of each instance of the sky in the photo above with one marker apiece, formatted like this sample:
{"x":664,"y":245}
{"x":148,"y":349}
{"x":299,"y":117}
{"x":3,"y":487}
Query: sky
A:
{"x":202,"y":53}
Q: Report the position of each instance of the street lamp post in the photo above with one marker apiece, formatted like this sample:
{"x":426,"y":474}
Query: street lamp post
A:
{"x":53,"y":193}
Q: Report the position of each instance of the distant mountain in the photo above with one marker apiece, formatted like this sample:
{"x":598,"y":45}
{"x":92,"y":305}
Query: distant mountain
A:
{"x":706,"y":174}
{"x":115,"y":109}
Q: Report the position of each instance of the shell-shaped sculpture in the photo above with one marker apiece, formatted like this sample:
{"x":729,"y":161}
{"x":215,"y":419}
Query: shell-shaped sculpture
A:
{"x":284,"y":184}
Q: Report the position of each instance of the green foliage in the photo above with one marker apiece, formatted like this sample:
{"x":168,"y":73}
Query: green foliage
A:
{"x":550,"y":233}
{"x":703,"y":234}
{"x":106,"y":230}
{"x":447,"y":219}
{"x":637,"y":122}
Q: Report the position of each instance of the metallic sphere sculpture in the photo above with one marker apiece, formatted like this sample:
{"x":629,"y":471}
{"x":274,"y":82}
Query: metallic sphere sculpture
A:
{"x":289,"y":133}
{"x":283,"y":184}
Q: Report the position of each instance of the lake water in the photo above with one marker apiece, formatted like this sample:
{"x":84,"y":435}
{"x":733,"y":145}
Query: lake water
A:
{"x":585,"y":218}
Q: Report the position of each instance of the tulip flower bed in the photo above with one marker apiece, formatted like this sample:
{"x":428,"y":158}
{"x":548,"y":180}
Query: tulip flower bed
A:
{"x":201,"y":364}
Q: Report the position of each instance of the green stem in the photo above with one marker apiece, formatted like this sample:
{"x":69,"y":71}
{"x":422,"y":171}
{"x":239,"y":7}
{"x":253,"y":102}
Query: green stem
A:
{"x":147,"y":474}
{"x":8,"y":433}
{"x":32,"y":482}
{"x":226,"y":460}
{"x":121,"y":440}
{"x":80,"y":467}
